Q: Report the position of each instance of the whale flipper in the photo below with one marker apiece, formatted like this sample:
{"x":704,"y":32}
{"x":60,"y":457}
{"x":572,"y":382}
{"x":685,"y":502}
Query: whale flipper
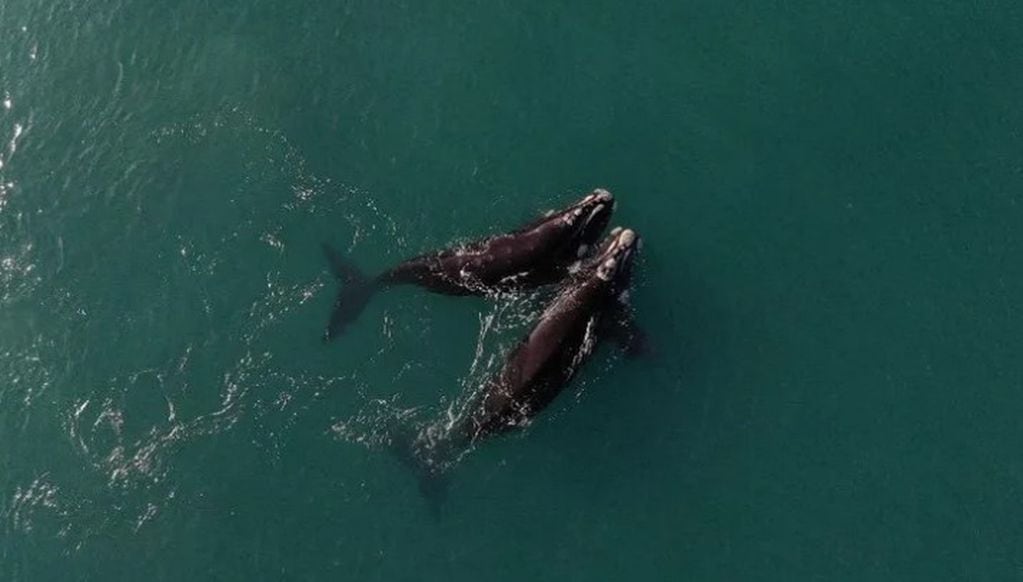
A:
{"x":636,"y":343}
{"x":356,"y":290}
{"x":623,"y":329}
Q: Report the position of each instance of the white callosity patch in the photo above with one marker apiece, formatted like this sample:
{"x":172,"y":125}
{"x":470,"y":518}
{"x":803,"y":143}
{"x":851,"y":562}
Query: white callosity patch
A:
{"x":627,"y":237}
{"x":571,"y":217}
{"x":619,"y":247}
{"x":607,"y":269}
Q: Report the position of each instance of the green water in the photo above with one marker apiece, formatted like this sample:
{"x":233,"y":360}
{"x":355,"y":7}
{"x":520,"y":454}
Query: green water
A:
{"x":832,"y":200}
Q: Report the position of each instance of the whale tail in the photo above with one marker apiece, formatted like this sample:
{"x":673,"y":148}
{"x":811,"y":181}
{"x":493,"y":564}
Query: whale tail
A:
{"x":431,"y":473}
{"x":355,"y":292}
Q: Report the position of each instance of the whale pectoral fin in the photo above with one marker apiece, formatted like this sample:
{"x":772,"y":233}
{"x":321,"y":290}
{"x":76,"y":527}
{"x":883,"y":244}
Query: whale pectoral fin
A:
{"x":638,"y":344}
{"x":628,"y":334}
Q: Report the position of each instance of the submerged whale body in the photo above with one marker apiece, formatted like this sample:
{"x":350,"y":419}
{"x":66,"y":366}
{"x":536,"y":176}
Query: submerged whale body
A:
{"x":536,"y":254}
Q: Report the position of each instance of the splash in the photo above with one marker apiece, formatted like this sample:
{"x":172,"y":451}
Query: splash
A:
{"x":30,"y":502}
{"x":379,"y":424}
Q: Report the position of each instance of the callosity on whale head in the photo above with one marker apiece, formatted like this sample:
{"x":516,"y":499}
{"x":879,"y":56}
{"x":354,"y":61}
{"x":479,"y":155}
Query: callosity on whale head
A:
{"x":613,"y":261}
{"x":590,"y":216}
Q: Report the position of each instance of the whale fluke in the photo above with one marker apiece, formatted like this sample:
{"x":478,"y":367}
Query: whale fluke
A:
{"x":432,"y":476}
{"x":352,"y":297}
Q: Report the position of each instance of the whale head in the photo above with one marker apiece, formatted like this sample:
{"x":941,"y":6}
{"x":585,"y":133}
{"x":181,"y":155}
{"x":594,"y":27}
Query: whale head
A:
{"x":613,"y":260}
{"x":588,"y":218}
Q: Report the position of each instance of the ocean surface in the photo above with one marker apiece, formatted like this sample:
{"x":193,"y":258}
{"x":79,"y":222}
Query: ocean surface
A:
{"x":831,"y":197}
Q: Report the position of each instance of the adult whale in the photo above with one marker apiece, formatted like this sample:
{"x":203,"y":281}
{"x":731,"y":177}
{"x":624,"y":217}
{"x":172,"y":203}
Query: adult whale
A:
{"x":538,"y":253}
{"x":587,"y":309}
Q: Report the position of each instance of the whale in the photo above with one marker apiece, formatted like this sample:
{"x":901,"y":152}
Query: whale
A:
{"x":565,"y":335}
{"x":536,"y":254}
{"x":588,"y":308}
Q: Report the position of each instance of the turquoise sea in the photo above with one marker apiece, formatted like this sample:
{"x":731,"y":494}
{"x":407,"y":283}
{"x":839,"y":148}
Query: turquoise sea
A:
{"x":831,"y":197}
